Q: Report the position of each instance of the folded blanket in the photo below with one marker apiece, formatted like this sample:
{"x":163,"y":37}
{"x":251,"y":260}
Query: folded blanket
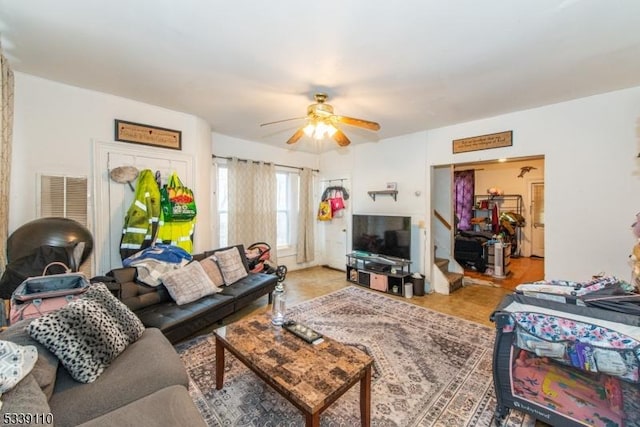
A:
{"x":150,"y":271}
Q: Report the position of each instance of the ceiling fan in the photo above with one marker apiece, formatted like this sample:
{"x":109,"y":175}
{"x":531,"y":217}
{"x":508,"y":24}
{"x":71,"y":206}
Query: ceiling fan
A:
{"x":321,"y":122}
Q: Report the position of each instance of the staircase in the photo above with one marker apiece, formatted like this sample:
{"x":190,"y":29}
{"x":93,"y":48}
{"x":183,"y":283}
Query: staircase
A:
{"x":454,"y":279}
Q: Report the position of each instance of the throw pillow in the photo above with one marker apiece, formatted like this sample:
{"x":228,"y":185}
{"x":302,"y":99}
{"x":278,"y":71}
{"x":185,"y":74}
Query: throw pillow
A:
{"x":83,"y":335}
{"x":127,"y":322}
{"x":16,"y":362}
{"x":189,"y":283}
{"x":231,"y":265}
{"x":210,"y":267}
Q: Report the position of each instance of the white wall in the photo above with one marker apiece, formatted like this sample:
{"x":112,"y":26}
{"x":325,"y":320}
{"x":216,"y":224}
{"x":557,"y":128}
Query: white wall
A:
{"x":55,"y":126}
{"x":371,"y":165}
{"x":592,"y":176}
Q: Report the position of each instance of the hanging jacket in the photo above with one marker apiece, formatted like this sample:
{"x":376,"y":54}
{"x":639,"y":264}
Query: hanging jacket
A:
{"x":141,"y":221}
{"x":176,"y":233}
{"x":335,"y":188}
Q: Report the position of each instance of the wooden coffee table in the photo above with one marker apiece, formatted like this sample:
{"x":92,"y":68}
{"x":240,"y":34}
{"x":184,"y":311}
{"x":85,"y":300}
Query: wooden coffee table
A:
{"x":311,"y":377}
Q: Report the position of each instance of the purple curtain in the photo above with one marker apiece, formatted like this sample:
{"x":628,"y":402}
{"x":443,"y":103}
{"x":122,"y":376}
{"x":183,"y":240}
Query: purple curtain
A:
{"x":463,"y":183}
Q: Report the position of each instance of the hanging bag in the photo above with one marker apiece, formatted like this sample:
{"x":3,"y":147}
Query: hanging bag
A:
{"x":177,"y":201}
{"x":337,"y":201}
{"x":38,"y":295}
{"x":324,"y":211}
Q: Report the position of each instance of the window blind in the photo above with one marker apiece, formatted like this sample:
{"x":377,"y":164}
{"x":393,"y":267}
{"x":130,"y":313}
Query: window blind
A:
{"x":66,"y":197}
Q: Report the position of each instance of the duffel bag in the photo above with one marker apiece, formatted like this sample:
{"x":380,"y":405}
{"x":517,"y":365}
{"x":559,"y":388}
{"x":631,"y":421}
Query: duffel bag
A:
{"x":38,"y":295}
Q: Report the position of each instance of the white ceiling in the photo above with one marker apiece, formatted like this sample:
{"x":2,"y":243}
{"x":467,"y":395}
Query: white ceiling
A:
{"x":410,"y":65}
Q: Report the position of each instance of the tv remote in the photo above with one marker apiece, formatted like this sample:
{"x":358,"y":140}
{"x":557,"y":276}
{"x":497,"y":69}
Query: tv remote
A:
{"x":303,"y":331}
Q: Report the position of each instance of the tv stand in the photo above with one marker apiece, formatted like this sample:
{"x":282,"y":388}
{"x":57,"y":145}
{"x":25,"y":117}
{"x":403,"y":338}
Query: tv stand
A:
{"x":373,"y":266}
{"x":379,"y":272}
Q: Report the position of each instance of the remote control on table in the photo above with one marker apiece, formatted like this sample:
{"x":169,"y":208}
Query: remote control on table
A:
{"x":302,"y":331}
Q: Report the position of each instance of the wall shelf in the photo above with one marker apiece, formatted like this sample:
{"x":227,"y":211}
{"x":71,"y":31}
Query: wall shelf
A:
{"x":392,"y":193}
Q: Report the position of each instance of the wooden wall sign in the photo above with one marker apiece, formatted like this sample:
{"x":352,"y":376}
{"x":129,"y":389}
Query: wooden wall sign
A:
{"x":483,"y":142}
{"x":148,"y":135}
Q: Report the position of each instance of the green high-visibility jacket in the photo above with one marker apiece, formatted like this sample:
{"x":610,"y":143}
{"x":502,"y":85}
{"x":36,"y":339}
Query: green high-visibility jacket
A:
{"x":141,"y":221}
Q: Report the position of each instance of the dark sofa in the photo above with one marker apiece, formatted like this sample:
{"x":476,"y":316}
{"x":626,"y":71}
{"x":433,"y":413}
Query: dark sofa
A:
{"x":156,"y":309}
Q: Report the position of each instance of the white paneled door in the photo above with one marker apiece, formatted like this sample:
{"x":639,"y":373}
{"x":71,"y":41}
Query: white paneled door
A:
{"x":113,"y":199}
{"x":537,"y":219}
{"x":337,"y":237}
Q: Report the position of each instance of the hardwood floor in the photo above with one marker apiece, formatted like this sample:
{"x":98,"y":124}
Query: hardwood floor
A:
{"x":475,"y":301}
{"x":523,"y":270}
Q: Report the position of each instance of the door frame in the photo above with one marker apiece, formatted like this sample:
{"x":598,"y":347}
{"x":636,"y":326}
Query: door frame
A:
{"x":429,"y":253}
{"x":530,"y":184}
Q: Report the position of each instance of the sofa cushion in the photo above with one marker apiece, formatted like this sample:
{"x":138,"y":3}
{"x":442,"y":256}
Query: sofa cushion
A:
{"x":171,"y":406}
{"x":180,"y":321}
{"x":16,"y":362}
{"x":252,"y":287}
{"x":188,"y":284}
{"x":83,"y":335}
{"x":231,"y":265}
{"x":210,"y":266}
{"x":46,"y":367}
{"x":26,"y":398}
{"x":136,"y":295}
{"x":147,"y":365}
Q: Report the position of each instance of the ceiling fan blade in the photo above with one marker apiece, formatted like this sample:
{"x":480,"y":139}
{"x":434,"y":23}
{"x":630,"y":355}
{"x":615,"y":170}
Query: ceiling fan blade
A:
{"x":341,"y":138}
{"x":296,"y":136}
{"x":366,"y":124}
{"x":281,"y":121}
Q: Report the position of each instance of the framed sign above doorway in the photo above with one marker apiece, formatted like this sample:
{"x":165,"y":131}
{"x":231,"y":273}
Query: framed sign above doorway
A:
{"x":483,"y":142}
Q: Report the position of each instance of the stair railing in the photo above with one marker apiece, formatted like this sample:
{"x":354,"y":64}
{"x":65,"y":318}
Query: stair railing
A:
{"x":442,"y":220}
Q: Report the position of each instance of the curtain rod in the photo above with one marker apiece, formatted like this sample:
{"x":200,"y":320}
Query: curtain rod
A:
{"x":336,"y":180}
{"x":255,"y":161}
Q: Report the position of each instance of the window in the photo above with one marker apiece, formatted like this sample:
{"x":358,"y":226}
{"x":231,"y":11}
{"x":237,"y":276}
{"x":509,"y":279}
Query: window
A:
{"x":223,"y":206}
{"x":66,"y":197}
{"x":287,"y":208}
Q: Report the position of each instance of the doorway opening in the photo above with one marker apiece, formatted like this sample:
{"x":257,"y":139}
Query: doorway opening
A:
{"x":498,"y":218}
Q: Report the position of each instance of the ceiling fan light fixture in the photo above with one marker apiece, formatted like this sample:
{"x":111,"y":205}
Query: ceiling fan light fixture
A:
{"x":321,"y":121}
{"x":319,"y":130}
{"x":308,"y":129}
{"x":323,"y":130}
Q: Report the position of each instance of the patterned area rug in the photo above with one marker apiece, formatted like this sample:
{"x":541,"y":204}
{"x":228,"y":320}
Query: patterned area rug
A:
{"x":430,"y":369}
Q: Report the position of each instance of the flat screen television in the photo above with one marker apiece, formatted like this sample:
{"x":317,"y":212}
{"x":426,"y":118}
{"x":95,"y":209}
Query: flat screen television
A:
{"x":382,"y":235}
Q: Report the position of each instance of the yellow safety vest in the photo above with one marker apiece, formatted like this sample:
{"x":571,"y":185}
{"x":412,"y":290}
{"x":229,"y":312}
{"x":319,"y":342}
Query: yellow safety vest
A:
{"x":141,"y":221}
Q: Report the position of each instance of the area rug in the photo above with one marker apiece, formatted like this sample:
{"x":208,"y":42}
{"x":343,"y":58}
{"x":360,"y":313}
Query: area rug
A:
{"x":430,"y":369}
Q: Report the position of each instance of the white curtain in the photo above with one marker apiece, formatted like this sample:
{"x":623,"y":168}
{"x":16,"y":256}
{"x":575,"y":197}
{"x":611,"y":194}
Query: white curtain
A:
{"x":6,"y":130}
{"x":252,"y":204}
{"x":306,"y":220}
